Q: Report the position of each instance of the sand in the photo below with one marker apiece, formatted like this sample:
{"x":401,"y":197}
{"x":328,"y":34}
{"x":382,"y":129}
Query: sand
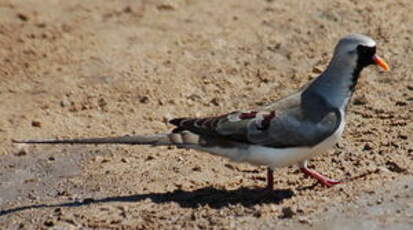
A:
{"x":106,"y":68}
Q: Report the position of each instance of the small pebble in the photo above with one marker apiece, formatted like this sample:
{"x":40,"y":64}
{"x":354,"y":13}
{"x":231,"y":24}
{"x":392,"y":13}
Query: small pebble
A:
{"x":165,"y":7}
{"x":304,"y":220}
{"x":65,"y":102}
{"x":21,"y":150}
{"x":105,"y":160}
{"x":287,"y":212}
{"x":317,"y":69}
{"x":196,"y":168}
{"x":37,"y":124}
{"x":49,"y":223}
{"x":379,"y":201}
{"x":23,"y":17}
{"x":361,"y":100}
{"x":144,"y":99}
{"x":124,"y":160}
{"x":367,"y":147}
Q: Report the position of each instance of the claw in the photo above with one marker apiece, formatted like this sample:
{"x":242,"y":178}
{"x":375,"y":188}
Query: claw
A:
{"x":329,"y":183}
{"x":320,"y":178}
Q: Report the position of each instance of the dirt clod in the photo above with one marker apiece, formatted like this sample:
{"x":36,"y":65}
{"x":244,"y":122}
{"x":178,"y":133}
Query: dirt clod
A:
{"x":23,"y":17}
{"x":394,"y":167}
{"x":49,"y":223}
{"x":287,"y":212}
{"x":37,"y":124}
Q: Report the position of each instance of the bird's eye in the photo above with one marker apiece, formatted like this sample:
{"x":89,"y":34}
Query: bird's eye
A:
{"x":362,"y":49}
{"x":365,"y":50}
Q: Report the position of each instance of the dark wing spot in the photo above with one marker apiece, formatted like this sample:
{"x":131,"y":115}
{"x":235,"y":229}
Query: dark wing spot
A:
{"x":177,"y":121}
{"x":197,"y":125}
{"x":215,"y":122}
{"x":266,"y":121}
{"x":211,"y":123}
{"x":200,"y":122}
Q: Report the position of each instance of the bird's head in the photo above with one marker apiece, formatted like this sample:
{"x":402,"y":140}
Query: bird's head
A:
{"x":337,"y":83}
{"x":359,"y":51}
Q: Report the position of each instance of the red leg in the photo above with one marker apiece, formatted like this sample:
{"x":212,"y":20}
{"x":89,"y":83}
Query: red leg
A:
{"x":321,"y":179}
{"x":267,"y":192}
{"x":270,"y":179}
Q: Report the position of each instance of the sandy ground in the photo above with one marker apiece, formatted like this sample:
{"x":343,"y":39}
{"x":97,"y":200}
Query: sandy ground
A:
{"x":103,"y":68}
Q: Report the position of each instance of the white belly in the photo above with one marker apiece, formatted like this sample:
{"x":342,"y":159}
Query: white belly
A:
{"x":273,"y":157}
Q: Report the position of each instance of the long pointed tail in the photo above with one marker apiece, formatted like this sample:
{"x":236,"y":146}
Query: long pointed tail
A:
{"x":156,"y":139}
{"x":179,"y":139}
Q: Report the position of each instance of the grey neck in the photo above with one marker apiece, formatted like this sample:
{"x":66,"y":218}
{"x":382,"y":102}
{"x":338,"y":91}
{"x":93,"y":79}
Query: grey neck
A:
{"x":332,"y":90}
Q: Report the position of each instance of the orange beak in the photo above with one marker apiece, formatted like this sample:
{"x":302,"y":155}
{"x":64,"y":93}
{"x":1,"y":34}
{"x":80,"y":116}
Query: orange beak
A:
{"x":380,"y":62}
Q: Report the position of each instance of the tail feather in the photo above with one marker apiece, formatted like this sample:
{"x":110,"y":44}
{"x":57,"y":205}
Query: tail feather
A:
{"x":183,"y":139}
{"x":156,"y":139}
{"x":180,"y":139}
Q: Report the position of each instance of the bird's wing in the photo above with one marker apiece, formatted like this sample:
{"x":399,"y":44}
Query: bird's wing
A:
{"x":266,"y":128}
{"x":232,"y":126}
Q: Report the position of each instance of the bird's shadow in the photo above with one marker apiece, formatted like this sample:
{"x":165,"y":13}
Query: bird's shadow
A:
{"x":213,"y":197}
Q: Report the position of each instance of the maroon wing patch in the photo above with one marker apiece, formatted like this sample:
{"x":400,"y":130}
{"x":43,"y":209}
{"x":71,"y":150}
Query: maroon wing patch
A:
{"x":266,"y":121}
{"x":248,"y":115}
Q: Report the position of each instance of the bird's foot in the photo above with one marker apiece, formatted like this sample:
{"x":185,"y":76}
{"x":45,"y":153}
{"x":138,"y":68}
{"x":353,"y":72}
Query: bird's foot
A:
{"x":329,"y":182}
{"x":320,"y":178}
{"x":268,"y":192}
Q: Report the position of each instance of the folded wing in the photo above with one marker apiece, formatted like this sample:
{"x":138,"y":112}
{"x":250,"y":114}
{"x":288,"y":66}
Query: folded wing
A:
{"x":266,"y":128}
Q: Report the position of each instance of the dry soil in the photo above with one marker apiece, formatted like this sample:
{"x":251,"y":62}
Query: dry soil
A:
{"x":103,"y":68}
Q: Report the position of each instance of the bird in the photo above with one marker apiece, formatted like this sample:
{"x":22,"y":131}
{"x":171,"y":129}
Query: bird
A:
{"x":288,"y":131}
